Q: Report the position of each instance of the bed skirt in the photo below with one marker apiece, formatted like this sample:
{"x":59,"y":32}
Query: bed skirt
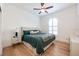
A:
{"x":34,"y":49}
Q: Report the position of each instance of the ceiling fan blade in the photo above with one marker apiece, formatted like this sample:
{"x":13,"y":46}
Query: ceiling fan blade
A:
{"x":49,"y":7}
{"x":42,"y":4}
{"x":36,"y":9}
{"x":39,"y":12}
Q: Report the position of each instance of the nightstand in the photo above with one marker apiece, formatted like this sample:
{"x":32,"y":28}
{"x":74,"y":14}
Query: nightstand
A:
{"x":16,"y":37}
{"x":74,"y":46}
{"x":16,"y":40}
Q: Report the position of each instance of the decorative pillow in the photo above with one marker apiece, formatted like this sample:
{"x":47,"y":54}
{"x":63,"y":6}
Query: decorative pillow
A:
{"x":34,"y":32}
{"x":26,"y":32}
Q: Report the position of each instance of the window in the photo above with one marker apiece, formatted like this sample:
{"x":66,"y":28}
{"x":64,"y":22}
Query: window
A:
{"x":53,"y":26}
{"x":50,"y":25}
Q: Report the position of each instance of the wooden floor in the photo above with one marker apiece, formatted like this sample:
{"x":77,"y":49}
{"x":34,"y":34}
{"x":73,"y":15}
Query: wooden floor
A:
{"x":58,"y":49}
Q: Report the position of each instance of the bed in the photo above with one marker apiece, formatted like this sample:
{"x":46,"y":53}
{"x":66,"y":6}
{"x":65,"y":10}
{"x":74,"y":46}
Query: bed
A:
{"x":37,"y":40}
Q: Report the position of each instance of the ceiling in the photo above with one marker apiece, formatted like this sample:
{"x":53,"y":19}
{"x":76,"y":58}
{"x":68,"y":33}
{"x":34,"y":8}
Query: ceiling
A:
{"x":29,"y":7}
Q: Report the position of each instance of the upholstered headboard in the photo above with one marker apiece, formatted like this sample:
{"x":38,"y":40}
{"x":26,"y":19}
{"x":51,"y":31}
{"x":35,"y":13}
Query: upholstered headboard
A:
{"x":28,"y":28}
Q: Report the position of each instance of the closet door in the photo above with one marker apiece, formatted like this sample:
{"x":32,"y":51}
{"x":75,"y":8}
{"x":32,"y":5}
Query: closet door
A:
{"x":0,"y":34}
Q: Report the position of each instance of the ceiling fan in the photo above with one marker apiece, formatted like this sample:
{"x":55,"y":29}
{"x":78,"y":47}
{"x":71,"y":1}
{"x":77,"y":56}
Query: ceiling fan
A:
{"x":43,"y":8}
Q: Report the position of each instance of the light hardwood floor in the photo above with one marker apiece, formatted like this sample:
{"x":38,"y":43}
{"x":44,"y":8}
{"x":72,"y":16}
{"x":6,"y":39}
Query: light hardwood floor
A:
{"x":58,"y":49}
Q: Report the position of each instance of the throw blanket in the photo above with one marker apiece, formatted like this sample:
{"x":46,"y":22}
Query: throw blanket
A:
{"x":47,"y":37}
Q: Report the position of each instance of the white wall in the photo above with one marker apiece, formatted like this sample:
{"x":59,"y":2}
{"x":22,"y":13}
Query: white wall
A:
{"x":78,"y":14}
{"x":13,"y":17}
{"x":67,"y":21}
{"x":0,"y":36}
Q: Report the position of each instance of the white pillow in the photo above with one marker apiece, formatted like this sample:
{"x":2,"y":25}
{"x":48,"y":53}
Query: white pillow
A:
{"x":34,"y":32}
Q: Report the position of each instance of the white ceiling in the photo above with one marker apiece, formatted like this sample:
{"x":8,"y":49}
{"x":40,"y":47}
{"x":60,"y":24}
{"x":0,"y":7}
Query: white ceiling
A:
{"x":29,"y":7}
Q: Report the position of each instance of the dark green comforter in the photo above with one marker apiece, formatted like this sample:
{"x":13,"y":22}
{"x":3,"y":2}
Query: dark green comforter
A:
{"x":39,"y":41}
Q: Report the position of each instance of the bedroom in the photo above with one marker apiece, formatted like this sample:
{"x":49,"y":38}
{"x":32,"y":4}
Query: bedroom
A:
{"x":21,"y":16}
